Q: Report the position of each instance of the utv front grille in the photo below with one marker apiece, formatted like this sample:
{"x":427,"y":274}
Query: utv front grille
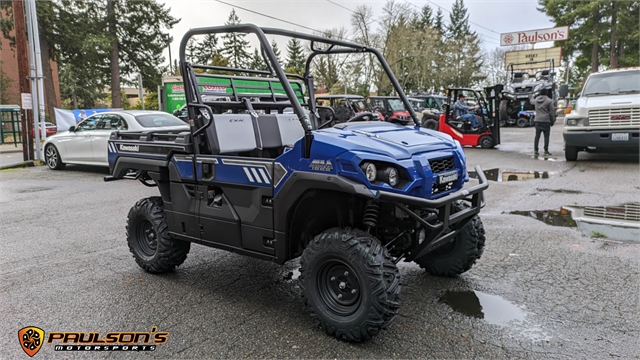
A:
{"x":440,"y":188}
{"x":442,"y":165}
{"x":526,"y":89}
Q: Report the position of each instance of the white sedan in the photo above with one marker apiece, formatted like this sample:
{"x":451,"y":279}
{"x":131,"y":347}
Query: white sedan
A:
{"x":86,"y":144}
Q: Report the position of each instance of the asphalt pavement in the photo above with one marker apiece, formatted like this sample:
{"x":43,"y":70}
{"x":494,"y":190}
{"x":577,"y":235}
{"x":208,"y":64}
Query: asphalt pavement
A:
{"x":539,"y":291}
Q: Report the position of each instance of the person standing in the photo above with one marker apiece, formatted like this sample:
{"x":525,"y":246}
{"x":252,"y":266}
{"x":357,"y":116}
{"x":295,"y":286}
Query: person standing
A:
{"x":461,"y":110}
{"x":544,"y":119}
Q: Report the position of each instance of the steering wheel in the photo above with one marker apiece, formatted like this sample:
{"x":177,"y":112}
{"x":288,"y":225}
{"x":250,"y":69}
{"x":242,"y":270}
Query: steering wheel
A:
{"x":367,"y":114}
{"x":332,"y":116}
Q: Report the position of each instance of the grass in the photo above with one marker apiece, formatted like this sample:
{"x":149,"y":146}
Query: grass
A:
{"x":598,"y":235}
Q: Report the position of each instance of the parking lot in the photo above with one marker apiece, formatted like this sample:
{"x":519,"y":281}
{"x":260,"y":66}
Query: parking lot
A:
{"x":539,"y":291}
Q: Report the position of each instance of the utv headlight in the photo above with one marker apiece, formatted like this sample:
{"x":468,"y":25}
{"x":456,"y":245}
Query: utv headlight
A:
{"x":389,"y":175}
{"x":370,"y":171}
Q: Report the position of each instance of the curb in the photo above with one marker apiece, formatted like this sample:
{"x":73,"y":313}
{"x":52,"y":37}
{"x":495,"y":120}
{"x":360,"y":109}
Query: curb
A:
{"x":29,"y":163}
{"x":16,"y":150}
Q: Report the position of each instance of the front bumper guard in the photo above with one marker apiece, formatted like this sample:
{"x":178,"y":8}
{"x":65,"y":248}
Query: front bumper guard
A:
{"x":448,"y":225}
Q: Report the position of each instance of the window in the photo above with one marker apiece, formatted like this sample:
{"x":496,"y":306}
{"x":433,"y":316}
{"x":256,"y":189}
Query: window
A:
{"x":88,"y":123}
{"x":377,"y":104}
{"x":111,"y":122}
{"x":623,"y":82}
{"x":158,"y":120}
{"x":396,"y":105}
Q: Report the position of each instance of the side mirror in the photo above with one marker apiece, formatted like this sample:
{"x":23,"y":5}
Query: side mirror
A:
{"x":176,"y":112}
{"x":563,"y":90}
{"x":72,"y":129}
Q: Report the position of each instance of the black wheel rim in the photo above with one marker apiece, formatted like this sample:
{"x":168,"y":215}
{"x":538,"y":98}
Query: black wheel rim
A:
{"x":51,"y":157}
{"x":486,"y":142}
{"x":339,"y":287}
{"x":147,"y":239}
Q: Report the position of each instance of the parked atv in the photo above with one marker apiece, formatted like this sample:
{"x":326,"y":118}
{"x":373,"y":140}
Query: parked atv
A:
{"x":432,"y":107}
{"x":350,"y":201}
{"x":342,"y":108}
{"x":522,"y":87}
{"x":392,"y":109}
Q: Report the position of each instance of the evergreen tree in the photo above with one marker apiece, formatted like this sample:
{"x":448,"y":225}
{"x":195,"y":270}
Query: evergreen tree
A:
{"x":602,"y":32}
{"x":424,"y":19}
{"x":438,"y":22}
{"x":235,"y":44}
{"x":295,"y":57}
{"x":135,"y":31}
{"x":257,"y":62}
{"x":276,"y":50}
{"x":463,"y":46}
{"x":204,"y":50}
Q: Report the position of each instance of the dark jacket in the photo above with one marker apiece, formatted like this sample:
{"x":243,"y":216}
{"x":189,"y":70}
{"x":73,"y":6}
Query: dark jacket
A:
{"x":545,"y":111}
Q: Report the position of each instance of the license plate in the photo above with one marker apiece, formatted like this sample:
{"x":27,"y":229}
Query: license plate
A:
{"x":620,"y":137}
{"x":447,"y":177}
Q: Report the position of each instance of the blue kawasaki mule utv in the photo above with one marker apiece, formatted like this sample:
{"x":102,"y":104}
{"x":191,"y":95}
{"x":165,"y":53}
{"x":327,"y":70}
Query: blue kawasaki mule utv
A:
{"x":258,"y":175}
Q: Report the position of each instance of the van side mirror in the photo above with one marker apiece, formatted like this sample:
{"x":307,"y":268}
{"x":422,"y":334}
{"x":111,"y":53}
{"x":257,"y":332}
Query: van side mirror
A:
{"x":563,"y":90}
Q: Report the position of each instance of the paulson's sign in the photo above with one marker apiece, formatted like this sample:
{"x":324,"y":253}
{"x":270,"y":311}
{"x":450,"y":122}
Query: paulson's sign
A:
{"x":534,"y":36}
{"x":526,"y":58}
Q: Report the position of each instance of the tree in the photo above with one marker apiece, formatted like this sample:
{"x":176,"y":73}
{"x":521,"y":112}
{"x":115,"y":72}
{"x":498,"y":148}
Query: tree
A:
{"x":276,"y":50}
{"x":235,"y":44}
{"x":438,"y":23}
{"x":295,"y":57}
{"x":82,"y":51}
{"x":463,"y":46}
{"x":204,"y":51}
{"x":135,"y":30}
{"x":603,"y":33}
{"x":257,"y":62}
{"x":5,"y":82}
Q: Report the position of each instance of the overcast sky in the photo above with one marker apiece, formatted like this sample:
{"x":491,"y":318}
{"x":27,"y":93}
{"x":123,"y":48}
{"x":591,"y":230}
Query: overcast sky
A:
{"x":492,"y":17}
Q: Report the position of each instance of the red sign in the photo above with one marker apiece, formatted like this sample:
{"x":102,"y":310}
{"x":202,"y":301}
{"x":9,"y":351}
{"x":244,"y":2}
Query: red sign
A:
{"x":535,"y":36}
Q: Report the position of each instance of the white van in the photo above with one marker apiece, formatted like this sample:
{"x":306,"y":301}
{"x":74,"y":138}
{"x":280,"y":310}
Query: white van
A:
{"x":607,"y":113}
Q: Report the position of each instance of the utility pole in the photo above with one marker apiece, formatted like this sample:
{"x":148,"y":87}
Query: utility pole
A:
{"x":33,"y":77}
{"x":141,"y":89}
{"x":23,"y":72}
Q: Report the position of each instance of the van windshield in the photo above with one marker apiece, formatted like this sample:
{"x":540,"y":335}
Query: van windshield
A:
{"x":623,"y":82}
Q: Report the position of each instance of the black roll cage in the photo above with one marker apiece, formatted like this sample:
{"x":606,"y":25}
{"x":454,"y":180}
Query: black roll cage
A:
{"x":510,"y":69}
{"x":194,"y":102}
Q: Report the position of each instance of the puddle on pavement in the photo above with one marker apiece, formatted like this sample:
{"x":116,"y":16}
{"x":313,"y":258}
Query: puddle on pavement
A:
{"x":560,"y":217}
{"x":495,"y":310}
{"x":620,"y":223}
{"x":492,"y":308}
{"x":511,"y":175}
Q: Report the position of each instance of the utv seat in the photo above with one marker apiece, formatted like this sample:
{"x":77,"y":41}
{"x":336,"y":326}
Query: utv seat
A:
{"x":231,"y":134}
{"x":278,"y":131}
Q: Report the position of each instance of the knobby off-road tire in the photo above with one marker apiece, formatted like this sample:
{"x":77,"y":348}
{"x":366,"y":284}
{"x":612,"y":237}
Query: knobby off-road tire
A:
{"x":350,"y":284}
{"x":430,"y":124}
{"x":460,"y":255}
{"x":148,"y":238}
{"x":52,"y":158}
